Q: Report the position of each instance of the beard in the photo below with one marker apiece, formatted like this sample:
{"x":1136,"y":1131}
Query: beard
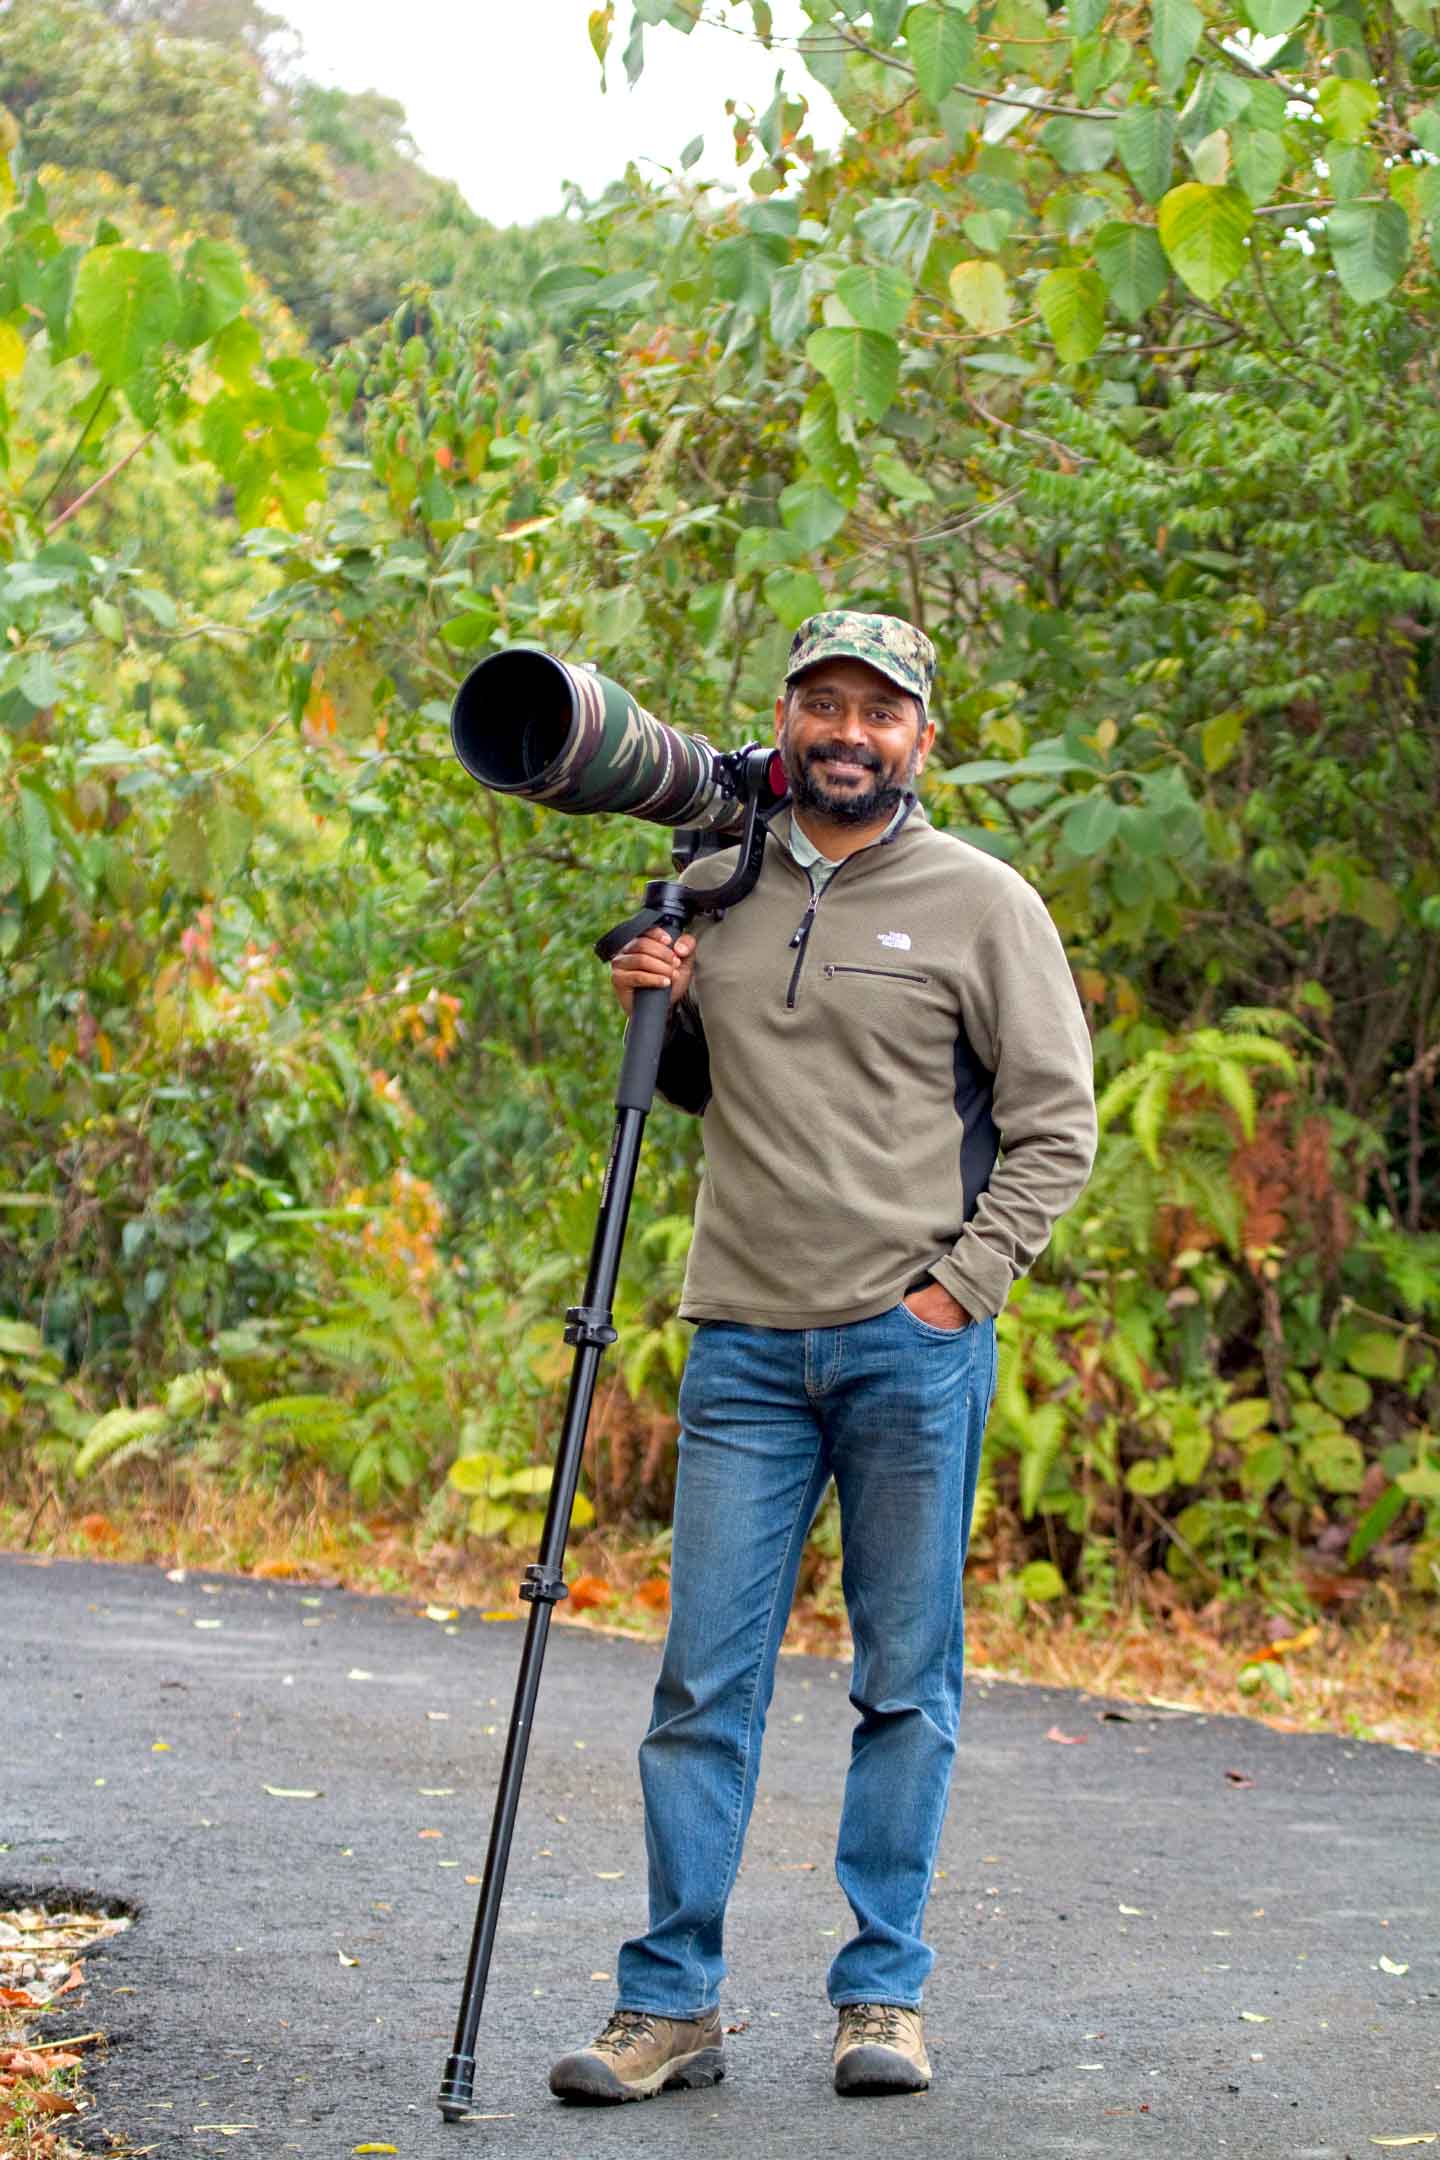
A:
{"x":810,"y":790}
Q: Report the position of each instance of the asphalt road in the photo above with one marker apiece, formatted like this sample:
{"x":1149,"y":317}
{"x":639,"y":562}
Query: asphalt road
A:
{"x":1138,"y":1953}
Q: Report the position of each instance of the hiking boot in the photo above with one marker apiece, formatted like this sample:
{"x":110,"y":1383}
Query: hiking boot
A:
{"x":639,"y":2055}
{"x":880,"y":2048}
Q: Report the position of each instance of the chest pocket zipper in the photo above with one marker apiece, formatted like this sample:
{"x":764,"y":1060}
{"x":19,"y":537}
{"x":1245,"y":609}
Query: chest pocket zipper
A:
{"x":838,"y":967}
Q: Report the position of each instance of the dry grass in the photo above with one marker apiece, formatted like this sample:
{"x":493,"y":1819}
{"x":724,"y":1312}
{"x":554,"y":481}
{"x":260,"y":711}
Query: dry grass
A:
{"x":1373,"y":1674}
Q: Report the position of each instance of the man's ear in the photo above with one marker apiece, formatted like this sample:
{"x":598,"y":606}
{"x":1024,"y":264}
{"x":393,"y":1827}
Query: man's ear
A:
{"x":923,"y":744}
{"x":780,"y":704}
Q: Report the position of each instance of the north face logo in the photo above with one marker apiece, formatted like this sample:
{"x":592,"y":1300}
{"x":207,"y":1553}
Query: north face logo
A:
{"x":895,"y":939}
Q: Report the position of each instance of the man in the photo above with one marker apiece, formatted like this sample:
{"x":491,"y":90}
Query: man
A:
{"x":895,"y":1078}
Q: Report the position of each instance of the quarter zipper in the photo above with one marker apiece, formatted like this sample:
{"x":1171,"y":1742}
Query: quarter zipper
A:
{"x":806,"y":924}
{"x":840,"y":967}
{"x":802,"y":938}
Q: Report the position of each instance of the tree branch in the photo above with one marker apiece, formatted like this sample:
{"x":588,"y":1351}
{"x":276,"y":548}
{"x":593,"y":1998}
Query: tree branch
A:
{"x":95,"y":487}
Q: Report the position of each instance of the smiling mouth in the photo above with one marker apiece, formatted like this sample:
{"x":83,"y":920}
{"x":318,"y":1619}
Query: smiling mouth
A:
{"x":843,"y":765}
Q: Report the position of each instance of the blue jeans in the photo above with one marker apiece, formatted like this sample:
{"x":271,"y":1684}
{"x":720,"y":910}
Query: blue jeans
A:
{"x":894,"y":1410}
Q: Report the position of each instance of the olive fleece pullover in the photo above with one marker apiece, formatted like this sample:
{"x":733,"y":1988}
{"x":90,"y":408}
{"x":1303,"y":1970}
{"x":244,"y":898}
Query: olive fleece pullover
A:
{"x":895,"y":1077}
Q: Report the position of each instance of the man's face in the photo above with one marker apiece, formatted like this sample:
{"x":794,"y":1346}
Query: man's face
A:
{"x":850,"y":740}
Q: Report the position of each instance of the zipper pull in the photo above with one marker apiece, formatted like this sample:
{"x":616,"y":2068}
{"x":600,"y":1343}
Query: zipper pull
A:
{"x":803,"y":928}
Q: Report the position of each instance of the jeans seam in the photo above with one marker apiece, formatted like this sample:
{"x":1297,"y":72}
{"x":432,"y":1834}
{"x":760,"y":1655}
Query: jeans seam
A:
{"x":731,"y":1861}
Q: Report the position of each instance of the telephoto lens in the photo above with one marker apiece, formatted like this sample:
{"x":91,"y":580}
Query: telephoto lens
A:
{"x":525,"y":723}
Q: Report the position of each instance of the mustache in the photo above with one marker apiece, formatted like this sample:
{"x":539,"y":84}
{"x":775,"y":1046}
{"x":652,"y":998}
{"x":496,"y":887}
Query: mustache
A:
{"x":836,"y":753}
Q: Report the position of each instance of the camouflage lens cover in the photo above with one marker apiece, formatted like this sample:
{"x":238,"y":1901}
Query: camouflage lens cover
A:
{"x":525,"y":723}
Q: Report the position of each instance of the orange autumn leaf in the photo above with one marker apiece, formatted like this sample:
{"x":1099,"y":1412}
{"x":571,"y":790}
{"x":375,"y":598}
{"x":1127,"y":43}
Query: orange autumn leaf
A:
{"x":98,"y":1529}
{"x":588,"y":1590}
{"x":655,"y":1593}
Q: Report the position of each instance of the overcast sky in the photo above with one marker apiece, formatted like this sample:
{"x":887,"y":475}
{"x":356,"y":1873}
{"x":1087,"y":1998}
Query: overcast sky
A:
{"x":504,"y":96}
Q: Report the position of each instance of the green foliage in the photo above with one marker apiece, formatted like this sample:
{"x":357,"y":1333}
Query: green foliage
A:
{"x":1075,"y":353}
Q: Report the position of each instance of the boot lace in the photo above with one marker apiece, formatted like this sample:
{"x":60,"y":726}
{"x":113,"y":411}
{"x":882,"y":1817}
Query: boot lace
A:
{"x":875,"y":2024}
{"x":627,"y":2029}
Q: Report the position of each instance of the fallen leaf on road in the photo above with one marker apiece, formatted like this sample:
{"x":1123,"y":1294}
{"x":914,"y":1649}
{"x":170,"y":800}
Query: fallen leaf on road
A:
{"x":224,"y":2129}
{"x":1423,"y":2137}
{"x":655,"y":1593}
{"x":346,"y":1960}
{"x":619,"y":1876}
{"x":1238,"y":1777}
{"x":432,"y":1833}
{"x":160,"y":1747}
{"x":437,"y":1717}
{"x":435,"y":1792}
{"x":504,"y":1612}
{"x":290,"y":1792}
{"x":441,"y":1612}
{"x":1065,"y":1739}
{"x":356,"y":1673}
{"x":1254,"y":2017}
{"x":374,"y":2148}
{"x":1387,"y":1966}
{"x":601,"y":1976}
{"x":1136,"y":1912}
{"x":208,"y":1623}
{"x":803,"y":1867}
{"x":472,"y":1878}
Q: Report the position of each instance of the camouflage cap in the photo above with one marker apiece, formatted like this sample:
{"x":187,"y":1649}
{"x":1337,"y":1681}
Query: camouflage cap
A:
{"x":901,"y":652}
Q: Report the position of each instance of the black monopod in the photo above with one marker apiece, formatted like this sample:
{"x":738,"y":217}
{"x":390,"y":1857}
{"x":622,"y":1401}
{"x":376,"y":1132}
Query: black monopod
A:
{"x":527,"y":724}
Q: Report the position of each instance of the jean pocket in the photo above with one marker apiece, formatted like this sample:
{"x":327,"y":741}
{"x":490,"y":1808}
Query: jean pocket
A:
{"x":935,"y":1334}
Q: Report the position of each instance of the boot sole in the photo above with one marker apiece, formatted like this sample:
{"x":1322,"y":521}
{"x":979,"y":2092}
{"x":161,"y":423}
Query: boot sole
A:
{"x":587,"y":2083}
{"x":872,"y":2071}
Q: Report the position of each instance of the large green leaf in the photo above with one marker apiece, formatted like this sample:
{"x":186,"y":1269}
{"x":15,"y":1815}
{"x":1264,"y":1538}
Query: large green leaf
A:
{"x":1260,"y":161}
{"x":1273,"y":18}
{"x":792,"y":595}
{"x":1093,"y":823}
{"x":744,"y":266}
{"x":33,"y":841}
{"x":1133,"y":265}
{"x":1347,"y":107}
{"x":981,"y":292}
{"x":862,"y":367}
{"x":1370,"y":246}
{"x":789,"y":302}
{"x":212,"y":291}
{"x":1072,"y":306}
{"x":1145,"y":138}
{"x":811,"y":512}
{"x":824,"y":446}
{"x":1203,"y":232}
{"x":899,"y":231}
{"x":875,"y":298}
{"x":940,"y":43}
{"x":1175,"y":27}
{"x":1079,"y":146}
{"x":125,"y":311}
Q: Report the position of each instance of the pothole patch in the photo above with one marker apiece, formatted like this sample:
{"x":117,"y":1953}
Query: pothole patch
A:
{"x":45,"y":2037}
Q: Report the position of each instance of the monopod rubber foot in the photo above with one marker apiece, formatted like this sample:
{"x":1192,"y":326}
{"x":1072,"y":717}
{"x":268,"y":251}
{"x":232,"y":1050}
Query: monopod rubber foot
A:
{"x":457,"y":2088}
